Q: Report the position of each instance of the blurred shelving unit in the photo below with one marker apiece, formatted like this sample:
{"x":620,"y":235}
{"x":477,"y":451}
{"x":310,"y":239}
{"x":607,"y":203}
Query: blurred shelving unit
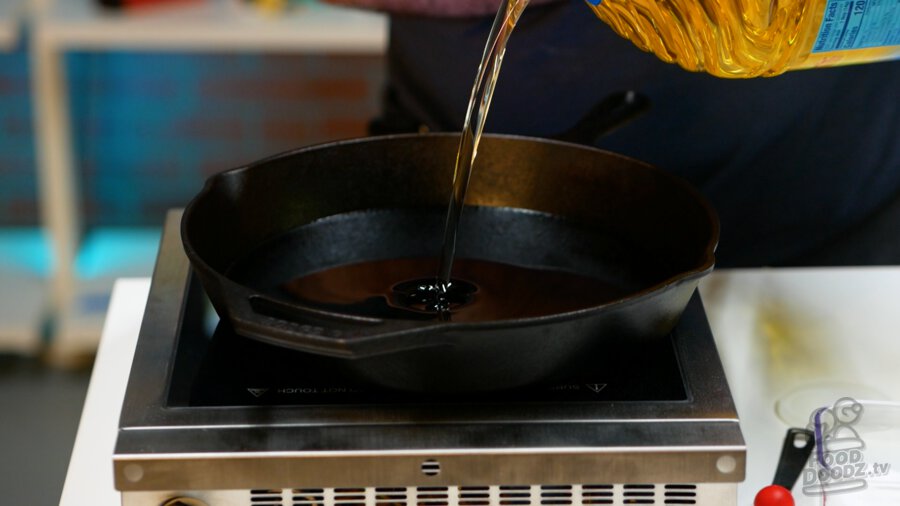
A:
{"x":22,"y":266}
{"x":23,"y":275}
{"x":77,"y":299}
{"x":10,"y":20}
{"x":212,"y":25}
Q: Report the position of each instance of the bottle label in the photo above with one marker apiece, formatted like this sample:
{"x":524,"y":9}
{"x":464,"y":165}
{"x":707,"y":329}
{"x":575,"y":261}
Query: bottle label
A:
{"x":857,"y":24}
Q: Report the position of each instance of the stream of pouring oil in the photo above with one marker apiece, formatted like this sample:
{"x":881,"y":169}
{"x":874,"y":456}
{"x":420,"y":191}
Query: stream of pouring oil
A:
{"x":482,"y":290}
{"x":476,"y":115}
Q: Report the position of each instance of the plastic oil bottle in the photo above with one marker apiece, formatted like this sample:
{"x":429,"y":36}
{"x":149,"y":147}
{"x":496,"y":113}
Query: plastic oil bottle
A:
{"x":749,"y":38}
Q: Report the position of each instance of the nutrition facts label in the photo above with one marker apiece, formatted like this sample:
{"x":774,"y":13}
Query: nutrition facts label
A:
{"x":857,"y":24}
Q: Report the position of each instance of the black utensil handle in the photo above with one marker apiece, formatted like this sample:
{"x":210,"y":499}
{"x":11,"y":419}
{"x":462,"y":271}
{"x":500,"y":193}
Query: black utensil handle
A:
{"x":343,"y":336}
{"x":612,"y":113}
{"x":795,"y":452}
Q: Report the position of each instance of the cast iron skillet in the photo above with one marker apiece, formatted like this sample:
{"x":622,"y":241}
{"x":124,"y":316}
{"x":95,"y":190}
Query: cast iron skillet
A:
{"x":531,"y":202}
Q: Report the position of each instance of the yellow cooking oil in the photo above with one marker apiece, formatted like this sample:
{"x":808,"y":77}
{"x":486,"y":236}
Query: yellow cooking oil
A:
{"x":750,"y":38}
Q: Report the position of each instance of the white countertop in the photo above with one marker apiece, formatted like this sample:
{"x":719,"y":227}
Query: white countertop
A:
{"x":792,"y":340}
{"x":786,"y":336}
{"x":89,"y":479}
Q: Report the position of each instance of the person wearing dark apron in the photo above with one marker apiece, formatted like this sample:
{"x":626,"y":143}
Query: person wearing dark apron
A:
{"x":803,"y":168}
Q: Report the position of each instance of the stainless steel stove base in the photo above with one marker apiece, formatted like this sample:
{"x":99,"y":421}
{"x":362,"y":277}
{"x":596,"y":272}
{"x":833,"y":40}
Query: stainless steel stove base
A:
{"x":551,"y":453}
{"x":703,"y":494}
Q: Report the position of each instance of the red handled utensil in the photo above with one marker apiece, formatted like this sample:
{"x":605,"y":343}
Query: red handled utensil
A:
{"x":798,"y":445}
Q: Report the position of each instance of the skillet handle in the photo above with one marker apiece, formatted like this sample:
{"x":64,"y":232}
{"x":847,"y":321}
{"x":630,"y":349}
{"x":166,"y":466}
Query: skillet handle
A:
{"x":612,"y":113}
{"x":322,"y":333}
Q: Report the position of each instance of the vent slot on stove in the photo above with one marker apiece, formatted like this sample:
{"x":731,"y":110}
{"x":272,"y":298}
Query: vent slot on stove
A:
{"x":350,"y":497}
{"x":431,"y":467}
{"x":681,"y":494}
{"x":387,"y":496}
{"x":639,"y":494}
{"x":494,"y":495}
{"x":432,"y":496}
{"x":474,"y":496}
{"x":596,"y":494}
{"x":513,"y":495}
{"x":556,"y":495}
{"x":266,"y":497}
{"x":308,"y":497}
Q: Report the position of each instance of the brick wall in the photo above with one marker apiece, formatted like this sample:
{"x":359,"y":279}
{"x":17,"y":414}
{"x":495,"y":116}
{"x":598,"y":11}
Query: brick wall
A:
{"x":150,"y":127}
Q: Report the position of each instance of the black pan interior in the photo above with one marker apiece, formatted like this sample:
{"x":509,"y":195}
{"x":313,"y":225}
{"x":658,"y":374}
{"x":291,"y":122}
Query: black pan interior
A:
{"x":385,"y":196}
{"x":500,"y":234}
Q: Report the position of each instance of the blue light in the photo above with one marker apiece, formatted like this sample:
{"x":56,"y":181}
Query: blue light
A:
{"x":25,"y":250}
{"x":118,"y":252}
